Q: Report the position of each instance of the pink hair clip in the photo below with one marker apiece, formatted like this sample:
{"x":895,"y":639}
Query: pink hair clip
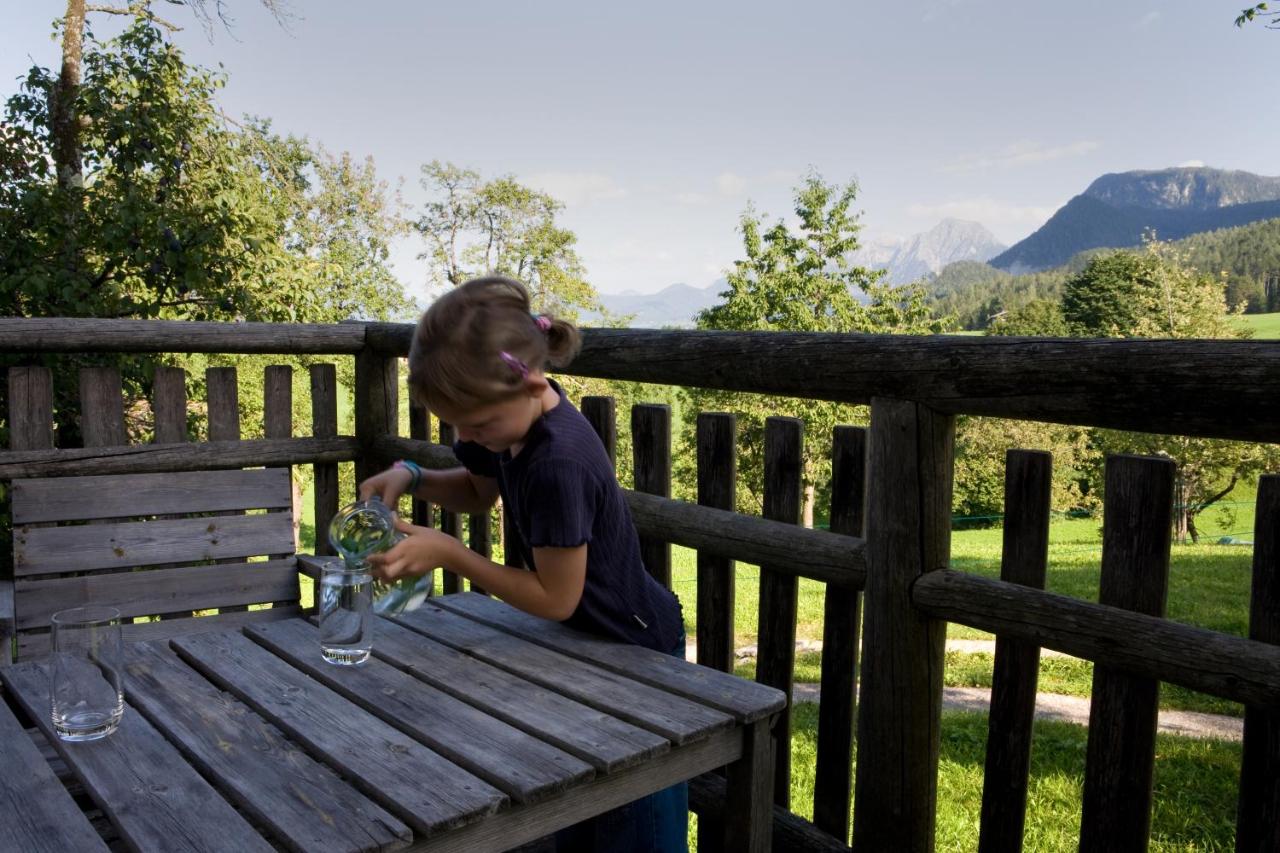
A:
{"x":515,"y":364}
{"x":542,"y":321}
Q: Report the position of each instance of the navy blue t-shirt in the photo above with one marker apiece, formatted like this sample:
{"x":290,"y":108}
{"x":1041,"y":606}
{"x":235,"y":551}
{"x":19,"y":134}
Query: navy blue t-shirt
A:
{"x":562,"y":492}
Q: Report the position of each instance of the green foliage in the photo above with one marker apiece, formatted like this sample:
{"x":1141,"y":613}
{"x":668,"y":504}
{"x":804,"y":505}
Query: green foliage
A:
{"x":1039,"y":317}
{"x":981,"y":444}
{"x":800,"y":280}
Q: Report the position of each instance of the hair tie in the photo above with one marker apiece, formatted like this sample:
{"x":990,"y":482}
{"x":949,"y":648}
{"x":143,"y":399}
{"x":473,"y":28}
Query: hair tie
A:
{"x":515,"y":364}
{"x":542,"y":321}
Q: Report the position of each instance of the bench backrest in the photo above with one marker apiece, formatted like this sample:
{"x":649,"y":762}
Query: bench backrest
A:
{"x":176,"y":552}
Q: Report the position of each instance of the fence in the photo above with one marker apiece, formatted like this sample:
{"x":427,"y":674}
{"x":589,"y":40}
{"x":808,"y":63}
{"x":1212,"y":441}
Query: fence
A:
{"x":895,"y":572}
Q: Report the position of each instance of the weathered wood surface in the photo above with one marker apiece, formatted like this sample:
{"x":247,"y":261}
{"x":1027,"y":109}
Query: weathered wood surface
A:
{"x":324,"y":425}
{"x":223,"y":397}
{"x":300,"y":801}
{"x":678,"y":720}
{"x":748,"y":793}
{"x":420,"y":430}
{"x":601,"y":413}
{"x":47,"y":550}
{"x":1258,"y":818}
{"x":169,"y":405}
{"x":30,"y":408}
{"x":780,"y":591}
{"x":450,"y":522}
{"x":1120,"y":756}
{"x":101,"y":407}
{"x":605,"y":742}
{"x":745,"y":700}
{"x":377,"y":406}
{"x":387,"y":765}
{"x":522,"y":766}
{"x":900,"y":701}
{"x":66,"y":334}
{"x":717,"y":488}
{"x":133,"y":495}
{"x":40,"y":816}
{"x":1231,"y":667}
{"x":120,"y":773}
{"x":790,"y":831}
{"x":35,"y":645}
{"x":841,"y":627}
{"x":651,"y":455}
{"x":1028,"y":486}
{"x":160,"y":591}
{"x":153,"y":458}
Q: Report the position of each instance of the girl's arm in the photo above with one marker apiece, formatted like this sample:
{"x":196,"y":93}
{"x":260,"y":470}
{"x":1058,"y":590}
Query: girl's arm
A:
{"x":456,"y":489}
{"x":552,"y":592}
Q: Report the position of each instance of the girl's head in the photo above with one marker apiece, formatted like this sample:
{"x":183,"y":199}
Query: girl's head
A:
{"x":478,"y":345}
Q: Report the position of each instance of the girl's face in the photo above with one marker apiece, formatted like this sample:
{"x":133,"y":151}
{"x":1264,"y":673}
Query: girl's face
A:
{"x":498,"y":426}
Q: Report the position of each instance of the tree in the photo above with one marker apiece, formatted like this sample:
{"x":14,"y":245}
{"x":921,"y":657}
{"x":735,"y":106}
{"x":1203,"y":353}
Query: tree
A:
{"x":801,"y":280}
{"x":1038,"y":318}
{"x":1158,"y":294}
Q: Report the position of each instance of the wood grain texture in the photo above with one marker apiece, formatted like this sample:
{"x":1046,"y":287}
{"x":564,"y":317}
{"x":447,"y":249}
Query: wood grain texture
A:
{"x":790,"y":831}
{"x":749,"y":803}
{"x":601,"y":413}
{"x":64,"y":334}
{"x":324,"y":425}
{"x":716,"y":438}
{"x":101,"y":407}
{"x":169,"y":405}
{"x":450,"y":522}
{"x":223,"y":397}
{"x":1028,"y":487}
{"x":377,"y":406}
{"x":30,"y":408}
{"x":651,"y":454}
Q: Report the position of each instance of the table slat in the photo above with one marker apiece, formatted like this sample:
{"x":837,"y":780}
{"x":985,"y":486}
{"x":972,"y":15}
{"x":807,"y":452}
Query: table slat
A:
{"x":301,"y":802}
{"x":153,"y":797}
{"x":385,"y":764}
{"x":39,"y":814}
{"x":605,"y":742}
{"x":675,"y":718}
{"x":745,"y":700}
{"x":524,"y":767}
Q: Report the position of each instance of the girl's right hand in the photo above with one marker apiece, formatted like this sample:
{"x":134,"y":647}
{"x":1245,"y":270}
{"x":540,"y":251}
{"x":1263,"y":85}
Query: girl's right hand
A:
{"x":388,"y":486}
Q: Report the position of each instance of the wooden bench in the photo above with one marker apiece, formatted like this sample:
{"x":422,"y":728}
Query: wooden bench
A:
{"x":176,"y":553}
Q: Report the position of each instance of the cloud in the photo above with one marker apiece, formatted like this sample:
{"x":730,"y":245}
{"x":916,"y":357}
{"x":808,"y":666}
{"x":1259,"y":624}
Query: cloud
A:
{"x":1191,"y":164}
{"x":1148,"y":19}
{"x":691,"y":198}
{"x":990,"y":212}
{"x":577,"y":188}
{"x":1021,"y":153}
{"x":730,"y":184}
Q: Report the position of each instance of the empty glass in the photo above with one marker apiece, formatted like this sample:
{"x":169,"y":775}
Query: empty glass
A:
{"x":86,"y":684}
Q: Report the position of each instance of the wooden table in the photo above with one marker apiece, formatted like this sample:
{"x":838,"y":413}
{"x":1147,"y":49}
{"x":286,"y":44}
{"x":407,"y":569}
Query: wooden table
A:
{"x":476,"y":727}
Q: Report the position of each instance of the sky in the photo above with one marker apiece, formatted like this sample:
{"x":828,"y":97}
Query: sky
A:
{"x":657,"y":124}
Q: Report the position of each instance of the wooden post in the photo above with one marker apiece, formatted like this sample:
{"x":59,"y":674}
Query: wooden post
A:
{"x":169,"y":405}
{"x":1258,"y":818}
{"x":748,"y":815}
{"x":1137,"y":515}
{"x":101,"y":407}
{"x":841,"y":623}
{"x":420,"y":429}
{"x":324,"y":424}
{"x":601,"y":413}
{"x":30,"y":408}
{"x":651,"y":452}
{"x":450,"y":522}
{"x":480,"y":539}
{"x":277,"y":421}
{"x":377,"y":407}
{"x":1028,"y":484}
{"x":717,"y":485}
{"x":223,"y":397}
{"x":900,"y":701}
{"x":780,"y":591}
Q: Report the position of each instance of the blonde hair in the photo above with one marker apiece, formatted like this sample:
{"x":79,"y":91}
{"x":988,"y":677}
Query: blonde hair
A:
{"x":470,"y":346}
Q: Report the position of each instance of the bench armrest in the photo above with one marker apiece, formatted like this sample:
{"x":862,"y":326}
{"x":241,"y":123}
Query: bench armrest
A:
{"x":311,"y":564}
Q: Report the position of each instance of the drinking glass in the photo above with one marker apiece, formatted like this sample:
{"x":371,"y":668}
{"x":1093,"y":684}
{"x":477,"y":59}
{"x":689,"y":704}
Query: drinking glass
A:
{"x":364,"y":528}
{"x":346,"y":625}
{"x":86,"y":685}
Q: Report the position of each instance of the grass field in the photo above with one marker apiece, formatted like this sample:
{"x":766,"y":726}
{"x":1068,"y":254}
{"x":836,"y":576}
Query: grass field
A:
{"x":1263,"y":325}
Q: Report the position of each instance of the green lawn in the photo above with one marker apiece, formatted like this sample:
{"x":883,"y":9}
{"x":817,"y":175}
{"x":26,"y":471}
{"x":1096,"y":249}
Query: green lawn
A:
{"x":1263,"y":325}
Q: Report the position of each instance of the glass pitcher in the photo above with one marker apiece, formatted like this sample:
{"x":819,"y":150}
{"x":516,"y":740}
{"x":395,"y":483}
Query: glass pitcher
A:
{"x":364,"y":528}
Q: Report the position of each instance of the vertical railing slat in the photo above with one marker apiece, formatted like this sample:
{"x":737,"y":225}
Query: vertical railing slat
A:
{"x":841,"y":623}
{"x":324,"y":424}
{"x":222,"y":396}
{"x":651,"y":451}
{"x":909,"y":466}
{"x":169,"y":405}
{"x":30,"y":408}
{"x":717,"y":487}
{"x":420,"y":511}
{"x":377,"y":407}
{"x":1028,"y":483}
{"x":1258,"y":818}
{"x":101,"y":407}
{"x":601,"y":413}
{"x":1120,"y":756}
{"x":450,"y":522}
{"x":779,"y":591}
{"x":277,"y":421}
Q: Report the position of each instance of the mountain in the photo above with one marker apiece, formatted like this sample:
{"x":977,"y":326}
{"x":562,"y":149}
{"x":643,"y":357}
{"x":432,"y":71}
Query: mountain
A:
{"x":926,"y":253}
{"x":1116,"y":209}
{"x":676,"y":305}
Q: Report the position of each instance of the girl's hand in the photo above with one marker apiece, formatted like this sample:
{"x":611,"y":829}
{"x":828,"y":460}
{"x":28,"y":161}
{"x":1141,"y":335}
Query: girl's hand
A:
{"x":388,"y":486}
{"x":422,"y":550}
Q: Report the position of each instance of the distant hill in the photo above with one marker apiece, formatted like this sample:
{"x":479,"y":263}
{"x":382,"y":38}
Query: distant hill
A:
{"x":676,"y":305}
{"x":1116,"y":209}
{"x":923,"y":254}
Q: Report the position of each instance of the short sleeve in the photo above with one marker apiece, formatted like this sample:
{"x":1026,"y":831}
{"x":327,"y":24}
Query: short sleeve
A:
{"x":562,"y":500}
{"x":476,"y":459}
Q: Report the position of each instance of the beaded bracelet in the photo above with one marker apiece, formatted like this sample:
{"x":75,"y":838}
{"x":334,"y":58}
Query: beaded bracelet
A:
{"x":415,"y":472}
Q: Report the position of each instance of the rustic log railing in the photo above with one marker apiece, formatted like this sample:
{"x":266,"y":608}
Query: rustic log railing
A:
{"x":885,"y":561}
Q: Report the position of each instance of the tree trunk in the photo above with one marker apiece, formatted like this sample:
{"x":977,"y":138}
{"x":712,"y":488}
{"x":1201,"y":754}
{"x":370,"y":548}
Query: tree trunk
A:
{"x":1181,"y":510}
{"x":62,"y":102}
{"x":809,"y":499}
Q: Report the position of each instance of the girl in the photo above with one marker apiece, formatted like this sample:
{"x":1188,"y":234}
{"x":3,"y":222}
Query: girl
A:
{"x":477,"y":361}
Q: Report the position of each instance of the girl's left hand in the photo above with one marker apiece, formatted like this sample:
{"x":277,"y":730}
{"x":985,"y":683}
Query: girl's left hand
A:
{"x":422,"y":550}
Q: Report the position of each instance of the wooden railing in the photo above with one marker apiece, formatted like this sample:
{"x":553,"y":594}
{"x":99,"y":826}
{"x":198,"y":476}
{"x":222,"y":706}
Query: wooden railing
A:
{"x":893,"y":580}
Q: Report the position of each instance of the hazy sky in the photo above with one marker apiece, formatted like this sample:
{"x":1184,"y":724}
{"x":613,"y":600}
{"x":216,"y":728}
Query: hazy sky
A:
{"x":656,"y":123}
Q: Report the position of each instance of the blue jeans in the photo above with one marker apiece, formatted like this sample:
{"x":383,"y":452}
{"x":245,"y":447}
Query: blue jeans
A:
{"x":658,"y":823}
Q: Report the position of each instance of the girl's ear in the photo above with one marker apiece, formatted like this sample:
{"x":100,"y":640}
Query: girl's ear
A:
{"x":535,"y":383}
